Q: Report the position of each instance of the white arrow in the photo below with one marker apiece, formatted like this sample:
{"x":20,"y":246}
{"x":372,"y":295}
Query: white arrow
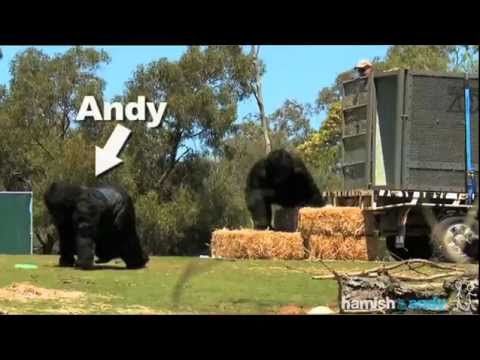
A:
{"x":106,"y":158}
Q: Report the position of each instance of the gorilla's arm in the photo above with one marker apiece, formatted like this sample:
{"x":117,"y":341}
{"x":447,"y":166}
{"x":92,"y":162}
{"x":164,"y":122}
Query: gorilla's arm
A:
{"x":86,"y":220}
{"x":258,"y":195}
{"x":85,"y":250}
{"x":60,"y":199}
{"x":305,"y":185}
{"x":260,"y":208}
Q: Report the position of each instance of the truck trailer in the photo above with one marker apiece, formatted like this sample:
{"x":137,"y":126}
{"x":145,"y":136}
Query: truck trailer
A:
{"x":410,"y":160}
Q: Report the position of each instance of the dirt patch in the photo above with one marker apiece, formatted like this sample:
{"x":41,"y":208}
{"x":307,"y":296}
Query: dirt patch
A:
{"x":85,"y":309}
{"x":101,"y":308}
{"x":291,"y":310}
{"x":71,"y":302}
{"x":24,"y":292}
{"x":66,"y":310}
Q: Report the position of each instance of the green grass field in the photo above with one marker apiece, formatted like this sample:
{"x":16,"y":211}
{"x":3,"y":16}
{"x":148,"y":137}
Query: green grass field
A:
{"x":172,"y":285}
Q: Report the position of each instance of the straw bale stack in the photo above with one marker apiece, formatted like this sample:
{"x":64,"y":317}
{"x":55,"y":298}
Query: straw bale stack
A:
{"x":329,"y":220}
{"x":257,"y":244}
{"x":334,"y":233}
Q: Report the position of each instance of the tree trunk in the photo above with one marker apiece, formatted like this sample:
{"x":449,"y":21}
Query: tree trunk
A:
{"x":257,"y":92}
{"x":173,"y":160}
{"x":47,"y":245}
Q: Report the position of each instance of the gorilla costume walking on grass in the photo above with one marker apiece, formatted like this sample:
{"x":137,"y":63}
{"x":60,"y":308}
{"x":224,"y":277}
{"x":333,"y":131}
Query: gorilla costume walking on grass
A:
{"x":94,"y":221}
{"x":282,"y":179}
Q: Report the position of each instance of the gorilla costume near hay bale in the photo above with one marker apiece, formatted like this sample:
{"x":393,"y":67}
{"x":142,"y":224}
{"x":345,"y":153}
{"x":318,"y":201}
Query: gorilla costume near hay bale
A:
{"x":282,"y":179}
{"x":94,"y":221}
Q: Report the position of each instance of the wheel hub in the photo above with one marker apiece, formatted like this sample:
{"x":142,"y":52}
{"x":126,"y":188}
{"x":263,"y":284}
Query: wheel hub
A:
{"x":460,"y":234}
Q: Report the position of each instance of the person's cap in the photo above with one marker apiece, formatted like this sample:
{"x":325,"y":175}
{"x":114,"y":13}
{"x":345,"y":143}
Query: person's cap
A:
{"x":362,"y":64}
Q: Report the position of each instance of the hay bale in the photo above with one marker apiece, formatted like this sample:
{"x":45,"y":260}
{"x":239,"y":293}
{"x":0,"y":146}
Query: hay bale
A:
{"x":256,"y":244}
{"x":338,"y":247}
{"x":347,"y":221}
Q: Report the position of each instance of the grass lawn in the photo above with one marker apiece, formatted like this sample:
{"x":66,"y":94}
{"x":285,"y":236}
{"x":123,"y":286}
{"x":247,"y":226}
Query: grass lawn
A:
{"x":170,"y":285}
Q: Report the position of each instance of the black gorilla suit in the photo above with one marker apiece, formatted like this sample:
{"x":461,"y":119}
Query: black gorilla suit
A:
{"x":94,"y":221}
{"x":282,"y":179}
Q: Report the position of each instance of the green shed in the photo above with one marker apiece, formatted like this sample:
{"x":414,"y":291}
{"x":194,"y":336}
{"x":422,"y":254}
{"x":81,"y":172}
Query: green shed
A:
{"x":16,"y":233}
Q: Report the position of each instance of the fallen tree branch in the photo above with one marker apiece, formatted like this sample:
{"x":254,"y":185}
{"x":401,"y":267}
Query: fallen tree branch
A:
{"x":336,"y":275}
{"x":415,"y":269}
{"x":429,"y":278}
{"x":383,"y":269}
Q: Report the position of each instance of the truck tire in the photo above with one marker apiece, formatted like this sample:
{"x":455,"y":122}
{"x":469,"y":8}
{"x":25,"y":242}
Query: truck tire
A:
{"x":454,"y":240}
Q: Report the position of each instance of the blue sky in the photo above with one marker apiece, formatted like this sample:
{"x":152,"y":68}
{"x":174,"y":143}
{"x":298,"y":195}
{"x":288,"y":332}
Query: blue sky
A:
{"x":293,"y":72}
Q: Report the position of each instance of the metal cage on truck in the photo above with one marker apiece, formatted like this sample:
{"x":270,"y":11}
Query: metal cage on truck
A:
{"x":407,"y":132}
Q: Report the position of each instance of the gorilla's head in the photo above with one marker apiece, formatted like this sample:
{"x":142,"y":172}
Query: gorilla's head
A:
{"x":60,"y":199}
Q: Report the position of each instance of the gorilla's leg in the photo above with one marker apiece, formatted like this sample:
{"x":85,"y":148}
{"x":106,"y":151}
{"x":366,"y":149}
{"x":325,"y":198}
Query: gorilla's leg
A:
{"x":131,"y":251}
{"x":260,"y":209}
{"x":67,"y":245}
{"x":105,"y":249}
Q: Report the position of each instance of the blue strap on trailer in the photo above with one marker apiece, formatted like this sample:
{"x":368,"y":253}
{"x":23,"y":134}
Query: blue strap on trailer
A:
{"x":470,"y":178}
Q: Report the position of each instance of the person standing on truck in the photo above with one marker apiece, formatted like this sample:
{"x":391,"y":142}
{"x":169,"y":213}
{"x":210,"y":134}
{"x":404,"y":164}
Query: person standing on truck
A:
{"x":364,"y":68}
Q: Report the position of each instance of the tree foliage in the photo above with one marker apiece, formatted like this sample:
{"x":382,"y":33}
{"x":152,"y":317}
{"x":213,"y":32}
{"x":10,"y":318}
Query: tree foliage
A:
{"x":322,"y":150}
{"x":291,"y":122}
{"x":38,"y":143}
{"x":464,"y":58}
{"x":202,"y":89}
{"x":415,"y":57}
